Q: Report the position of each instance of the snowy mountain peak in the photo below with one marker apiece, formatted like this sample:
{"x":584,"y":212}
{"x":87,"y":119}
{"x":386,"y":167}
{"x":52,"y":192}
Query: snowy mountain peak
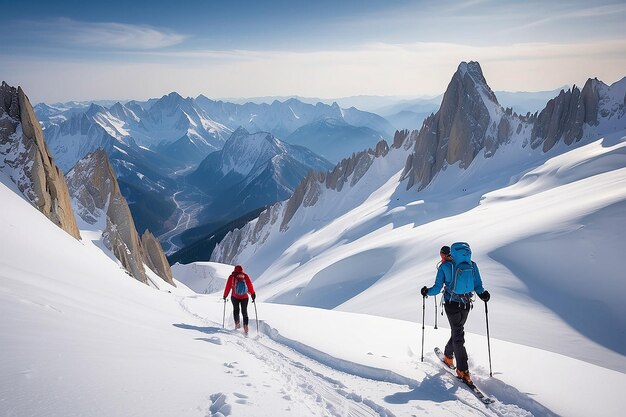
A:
{"x":243,"y":151}
{"x":95,"y":109}
{"x":253,"y":170}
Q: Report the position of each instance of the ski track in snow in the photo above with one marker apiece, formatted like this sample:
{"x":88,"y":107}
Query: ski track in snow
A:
{"x":330,"y":386}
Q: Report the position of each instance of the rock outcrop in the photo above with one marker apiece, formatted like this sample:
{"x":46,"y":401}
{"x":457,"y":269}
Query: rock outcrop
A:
{"x":469,"y":120}
{"x":97,"y":199}
{"x":25,"y":157}
{"x":565,"y":116}
{"x":155,"y":258}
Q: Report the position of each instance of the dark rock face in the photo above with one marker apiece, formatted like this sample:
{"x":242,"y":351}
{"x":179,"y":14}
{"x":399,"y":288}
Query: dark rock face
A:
{"x":565,"y":116}
{"x":306,"y":194}
{"x":96,"y":194}
{"x":469,"y":120}
{"x":25,"y":157}
{"x":399,"y":138}
{"x":155,"y":258}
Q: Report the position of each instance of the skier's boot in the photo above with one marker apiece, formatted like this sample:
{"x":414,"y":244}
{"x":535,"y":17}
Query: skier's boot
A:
{"x":448,"y":360}
{"x":245,"y":328}
{"x":465,"y":376}
{"x":237,"y":325}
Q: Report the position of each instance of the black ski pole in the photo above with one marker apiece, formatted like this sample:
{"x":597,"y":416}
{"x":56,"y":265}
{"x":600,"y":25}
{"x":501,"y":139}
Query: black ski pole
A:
{"x":435,"y":312}
{"x":256,"y":316}
{"x":423,"y":317}
{"x":224,"y":315}
{"x":488,"y":343}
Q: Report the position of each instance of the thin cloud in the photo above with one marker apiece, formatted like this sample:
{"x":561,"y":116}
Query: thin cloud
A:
{"x":108,"y":35}
{"x":590,"y":12}
{"x":377,"y":68}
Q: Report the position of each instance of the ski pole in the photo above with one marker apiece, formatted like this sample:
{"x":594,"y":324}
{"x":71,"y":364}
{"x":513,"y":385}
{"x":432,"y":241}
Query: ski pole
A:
{"x":435,"y":312}
{"x":423,"y":317}
{"x":488,"y":343}
{"x":256,"y":316}
{"x":224,"y":315}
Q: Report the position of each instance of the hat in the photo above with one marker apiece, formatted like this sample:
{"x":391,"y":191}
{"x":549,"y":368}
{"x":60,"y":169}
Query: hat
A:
{"x":445,"y":250}
{"x":239,"y":268}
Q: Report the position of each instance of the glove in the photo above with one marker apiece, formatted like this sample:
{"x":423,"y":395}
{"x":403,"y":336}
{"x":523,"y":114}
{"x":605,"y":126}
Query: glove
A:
{"x":253,"y":295}
{"x":485,"y":296}
{"x":424,"y":291}
{"x":225,"y":298}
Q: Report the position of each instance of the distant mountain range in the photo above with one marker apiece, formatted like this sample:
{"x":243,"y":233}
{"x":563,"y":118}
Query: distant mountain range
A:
{"x":153,"y":145}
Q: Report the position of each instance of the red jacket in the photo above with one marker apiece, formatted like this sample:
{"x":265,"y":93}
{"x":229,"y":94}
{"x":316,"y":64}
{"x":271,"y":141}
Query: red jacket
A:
{"x":230,"y":284}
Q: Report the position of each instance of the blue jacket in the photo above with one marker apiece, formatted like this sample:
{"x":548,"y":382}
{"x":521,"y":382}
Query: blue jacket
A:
{"x":445,"y":276}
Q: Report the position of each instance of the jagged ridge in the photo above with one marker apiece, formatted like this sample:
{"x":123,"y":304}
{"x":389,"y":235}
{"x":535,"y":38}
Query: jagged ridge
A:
{"x":25,"y":157}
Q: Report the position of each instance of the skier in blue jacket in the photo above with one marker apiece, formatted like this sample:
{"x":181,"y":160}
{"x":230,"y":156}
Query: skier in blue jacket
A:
{"x":457,"y":300}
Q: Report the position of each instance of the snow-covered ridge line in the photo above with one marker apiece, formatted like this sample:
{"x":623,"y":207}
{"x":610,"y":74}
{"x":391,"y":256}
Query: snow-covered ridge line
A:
{"x":348,"y":171}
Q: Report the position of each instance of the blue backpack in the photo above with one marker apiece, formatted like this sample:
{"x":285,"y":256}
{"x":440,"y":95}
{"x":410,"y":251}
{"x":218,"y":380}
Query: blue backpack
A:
{"x":241,"y":288}
{"x":462,"y":269}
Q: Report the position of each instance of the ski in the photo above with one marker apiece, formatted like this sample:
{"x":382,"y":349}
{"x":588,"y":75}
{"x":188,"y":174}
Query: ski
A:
{"x":440,"y":355}
{"x":478,"y":393}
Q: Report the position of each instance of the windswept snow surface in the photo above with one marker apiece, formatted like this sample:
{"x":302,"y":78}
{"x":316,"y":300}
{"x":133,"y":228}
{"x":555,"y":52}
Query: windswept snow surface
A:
{"x":80,"y":337}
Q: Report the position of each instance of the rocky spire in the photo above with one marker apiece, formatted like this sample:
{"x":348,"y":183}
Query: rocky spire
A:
{"x":97,"y":198}
{"x":469,"y":119}
{"x":24,"y":156}
{"x":565,"y":116}
{"x":155,"y":258}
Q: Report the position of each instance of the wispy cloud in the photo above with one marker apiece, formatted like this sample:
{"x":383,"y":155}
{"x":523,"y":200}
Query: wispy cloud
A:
{"x":110,"y":35}
{"x":377,"y":68}
{"x":590,"y":12}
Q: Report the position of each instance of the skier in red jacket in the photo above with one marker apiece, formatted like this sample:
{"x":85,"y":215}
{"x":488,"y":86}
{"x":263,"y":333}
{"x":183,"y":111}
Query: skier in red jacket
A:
{"x":241,"y":285}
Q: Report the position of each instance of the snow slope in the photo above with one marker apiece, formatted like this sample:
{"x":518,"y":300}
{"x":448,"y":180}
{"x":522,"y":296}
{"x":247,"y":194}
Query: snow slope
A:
{"x":202,"y":277}
{"x":545,"y":229}
{"x":80,"y":337}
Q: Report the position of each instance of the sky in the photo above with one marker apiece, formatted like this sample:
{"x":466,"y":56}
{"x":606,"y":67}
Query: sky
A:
{"x":76,"y":50}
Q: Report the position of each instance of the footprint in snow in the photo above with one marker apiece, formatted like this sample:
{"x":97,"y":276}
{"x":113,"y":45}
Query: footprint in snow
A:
{"x":218,"y":406}
{"x":241,"y":398}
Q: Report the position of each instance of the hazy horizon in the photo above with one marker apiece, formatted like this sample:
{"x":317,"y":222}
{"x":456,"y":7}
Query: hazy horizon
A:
{"x":66,"y":50}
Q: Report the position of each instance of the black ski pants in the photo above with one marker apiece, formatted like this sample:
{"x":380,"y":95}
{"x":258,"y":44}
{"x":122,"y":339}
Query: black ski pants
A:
{"x":457,"y":316}
{"x":244,"y":309}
